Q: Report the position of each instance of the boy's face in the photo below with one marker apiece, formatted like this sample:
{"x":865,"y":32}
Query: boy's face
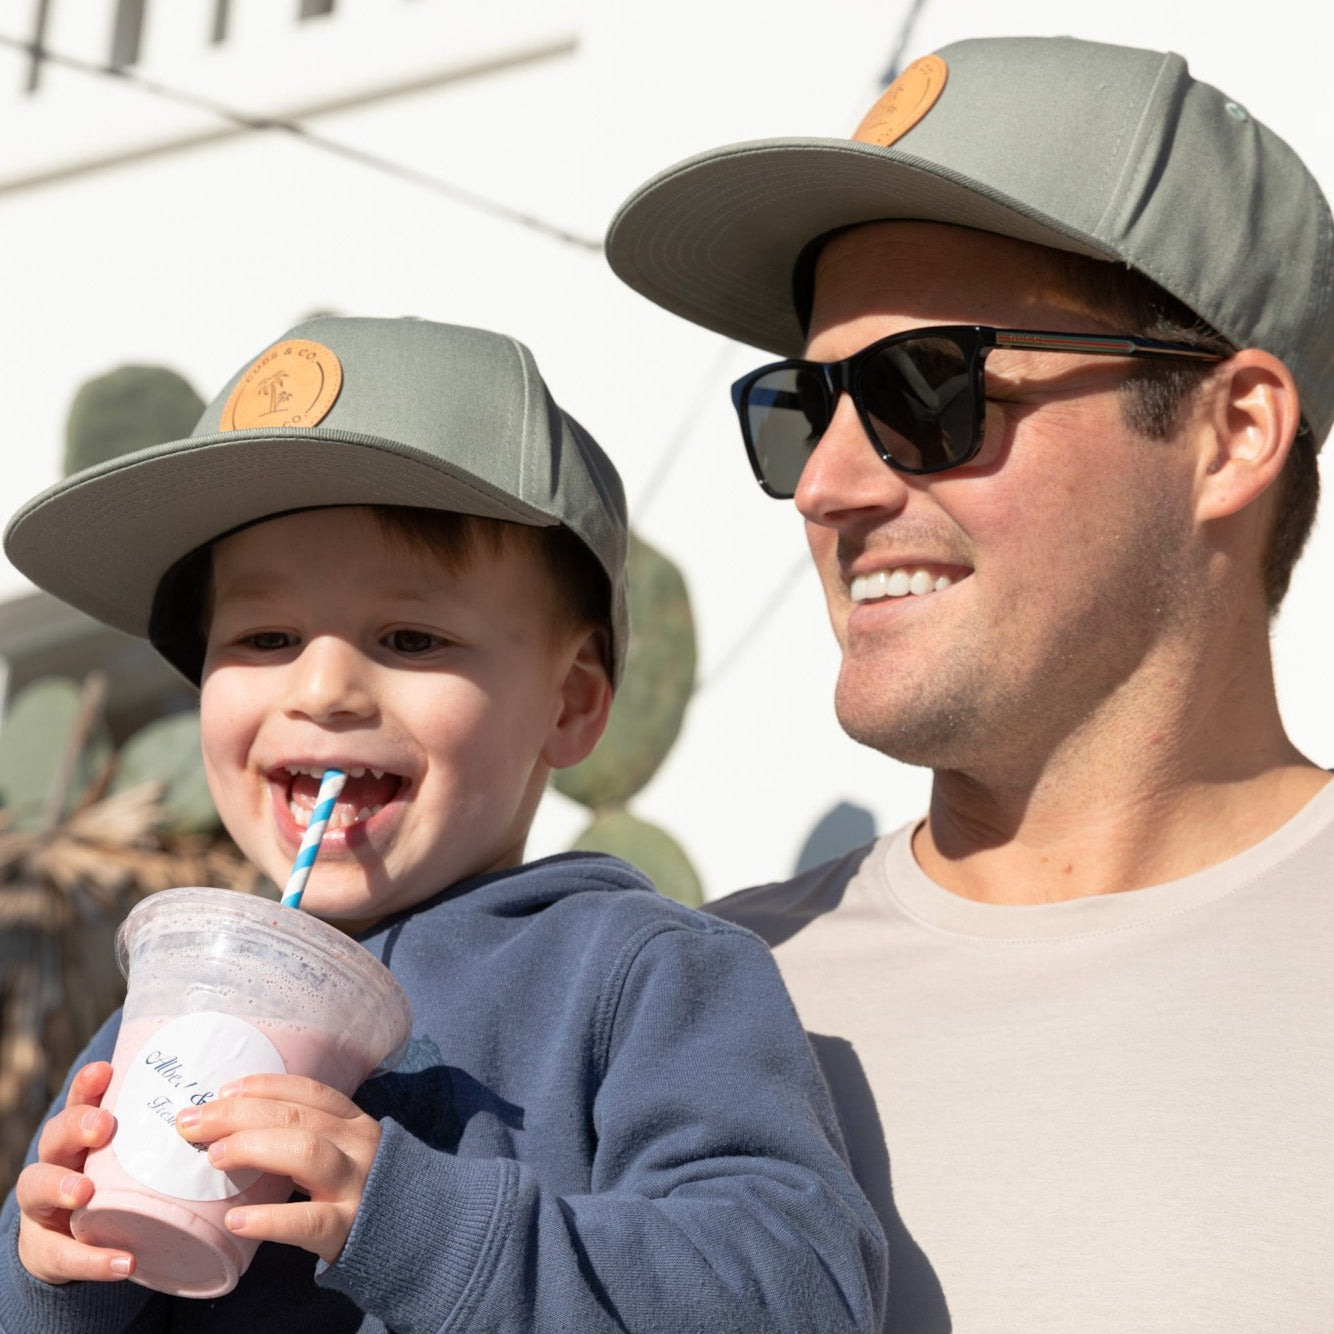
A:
{"x":444,"y":696}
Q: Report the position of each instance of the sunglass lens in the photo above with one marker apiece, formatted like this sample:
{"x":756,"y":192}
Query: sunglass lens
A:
{"x":786,"y":412}
{"x":917,"y":399}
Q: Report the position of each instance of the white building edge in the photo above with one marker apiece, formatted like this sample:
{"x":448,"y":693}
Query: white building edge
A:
{"x":182,"y":180}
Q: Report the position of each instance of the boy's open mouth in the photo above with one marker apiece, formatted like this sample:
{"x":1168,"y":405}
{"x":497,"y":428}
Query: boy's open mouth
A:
{"x":366,"y":793}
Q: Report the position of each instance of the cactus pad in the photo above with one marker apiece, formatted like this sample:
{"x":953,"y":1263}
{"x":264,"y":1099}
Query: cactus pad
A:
{"x":648,"y":847}
{"x":34,"y":738}
{"x":126,"y":409}
{"x":168,"y":750}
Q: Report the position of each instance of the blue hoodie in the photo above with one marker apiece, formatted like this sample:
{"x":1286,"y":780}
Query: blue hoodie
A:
{"x":608,"y":1118}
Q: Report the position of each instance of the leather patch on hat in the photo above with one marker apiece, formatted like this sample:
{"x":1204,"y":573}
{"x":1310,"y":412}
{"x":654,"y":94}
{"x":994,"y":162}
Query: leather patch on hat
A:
{"x":292,"y":384}
{"x":904,"y":102}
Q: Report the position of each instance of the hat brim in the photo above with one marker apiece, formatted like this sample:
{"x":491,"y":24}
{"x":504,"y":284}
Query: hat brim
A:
{"x":716,"y":238}
{"x":139,"y":514}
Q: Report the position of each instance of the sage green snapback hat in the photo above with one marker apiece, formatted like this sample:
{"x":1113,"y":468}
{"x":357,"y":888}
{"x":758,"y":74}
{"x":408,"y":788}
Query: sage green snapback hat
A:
{"x":1107,"y":151}
{"x":338,"y":411}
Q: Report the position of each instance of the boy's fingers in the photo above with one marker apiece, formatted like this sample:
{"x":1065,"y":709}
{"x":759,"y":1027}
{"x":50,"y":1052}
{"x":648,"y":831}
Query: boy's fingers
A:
{"x":294,"y":1089}
{"x":55,"y":1257}
{"x":297,"y":1119}
{"x":89,"y":1083}
{"x":314,"y":1162}
{"x":67,"y":1136}
{"x":319,"y":1228}
{"x":48,"y":1193}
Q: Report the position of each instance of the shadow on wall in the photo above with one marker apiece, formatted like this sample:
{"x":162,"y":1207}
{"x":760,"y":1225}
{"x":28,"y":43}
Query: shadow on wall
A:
{"x":839,"y":830}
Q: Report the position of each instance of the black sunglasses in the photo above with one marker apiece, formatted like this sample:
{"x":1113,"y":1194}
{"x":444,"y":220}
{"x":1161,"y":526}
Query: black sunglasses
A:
{"x":920,"y":395}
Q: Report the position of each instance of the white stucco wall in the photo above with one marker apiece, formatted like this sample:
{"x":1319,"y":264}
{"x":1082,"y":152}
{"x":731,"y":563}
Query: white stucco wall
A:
{"x":197,"y":258}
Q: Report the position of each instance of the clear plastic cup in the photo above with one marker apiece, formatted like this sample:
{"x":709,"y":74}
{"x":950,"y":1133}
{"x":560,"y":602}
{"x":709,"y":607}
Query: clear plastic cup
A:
{"x":220,"y":985}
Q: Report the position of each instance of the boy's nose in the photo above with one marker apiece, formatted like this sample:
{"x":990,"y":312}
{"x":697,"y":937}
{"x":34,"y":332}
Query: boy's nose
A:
{"x":330,"y":682}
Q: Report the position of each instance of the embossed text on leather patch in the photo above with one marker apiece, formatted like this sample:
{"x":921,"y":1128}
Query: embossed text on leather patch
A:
{"x":294,"y":383}
{"x":904,"y":102}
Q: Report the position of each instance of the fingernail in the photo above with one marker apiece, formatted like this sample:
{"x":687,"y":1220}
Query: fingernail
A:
{"x":191,"y":1116}
{"x":215,"y":1151}
{"x":121,"y":1266}
{"x":91,"y":1118}
{"x":230,"y":1090}
{"x":236,"y":1219}
{"x":69,"y":1187}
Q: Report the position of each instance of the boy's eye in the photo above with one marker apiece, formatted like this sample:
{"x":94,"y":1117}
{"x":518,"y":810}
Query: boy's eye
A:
{"x":411,"y":641}
{"x":269,"y":641}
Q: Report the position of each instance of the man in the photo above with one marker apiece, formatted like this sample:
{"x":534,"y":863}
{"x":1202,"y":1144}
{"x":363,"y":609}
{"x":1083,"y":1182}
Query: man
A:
{"x":1080,"y":1018}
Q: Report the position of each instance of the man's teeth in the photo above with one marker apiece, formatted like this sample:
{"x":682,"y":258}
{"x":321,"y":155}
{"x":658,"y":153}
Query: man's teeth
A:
{"x":359,"y":772}
{"x":897,"y":583}
{"x":341,"y":818}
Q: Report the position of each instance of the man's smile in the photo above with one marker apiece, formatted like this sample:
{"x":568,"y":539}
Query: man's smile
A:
{"x":900,"y":581}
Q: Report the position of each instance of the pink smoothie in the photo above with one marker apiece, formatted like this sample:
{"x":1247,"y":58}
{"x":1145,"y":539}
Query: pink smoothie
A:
{"x":178,"y":1240}
{"x":221,"y":985}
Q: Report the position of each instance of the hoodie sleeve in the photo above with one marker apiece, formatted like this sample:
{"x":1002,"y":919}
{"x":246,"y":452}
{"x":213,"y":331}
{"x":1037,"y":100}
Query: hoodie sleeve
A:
{"x":719,"y":1198}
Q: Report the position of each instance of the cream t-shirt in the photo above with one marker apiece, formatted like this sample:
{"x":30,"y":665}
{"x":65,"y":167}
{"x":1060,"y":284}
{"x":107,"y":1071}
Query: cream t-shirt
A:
{"x":1109,"y":1114}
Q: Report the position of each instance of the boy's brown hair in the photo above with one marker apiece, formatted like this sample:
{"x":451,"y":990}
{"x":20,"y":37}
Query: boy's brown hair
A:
{"x":581,"y":594}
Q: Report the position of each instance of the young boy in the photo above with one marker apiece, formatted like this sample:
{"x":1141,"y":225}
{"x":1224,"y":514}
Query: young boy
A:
{"x":387,"y":550}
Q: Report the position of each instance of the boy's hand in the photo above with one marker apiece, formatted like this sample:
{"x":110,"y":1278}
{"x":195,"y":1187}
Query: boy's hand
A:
{"x":294,"y":1127}
{"x":50,"y":1189}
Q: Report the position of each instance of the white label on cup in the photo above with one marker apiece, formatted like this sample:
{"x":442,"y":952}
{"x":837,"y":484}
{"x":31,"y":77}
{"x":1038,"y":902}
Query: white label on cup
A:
{"x":183,"y":1064}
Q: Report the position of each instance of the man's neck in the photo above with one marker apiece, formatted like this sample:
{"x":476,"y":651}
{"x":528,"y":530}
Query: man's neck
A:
{"x":1123,"y":805}
{"x":1127,"y":844}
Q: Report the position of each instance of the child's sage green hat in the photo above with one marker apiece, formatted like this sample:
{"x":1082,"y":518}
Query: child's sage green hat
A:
{"x":336,"y":412}
{"x":1108,"y":151}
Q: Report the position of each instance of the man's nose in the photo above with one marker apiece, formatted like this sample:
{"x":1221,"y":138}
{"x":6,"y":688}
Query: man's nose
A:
{"x":844,"y":475}
{"x":331,"y":682}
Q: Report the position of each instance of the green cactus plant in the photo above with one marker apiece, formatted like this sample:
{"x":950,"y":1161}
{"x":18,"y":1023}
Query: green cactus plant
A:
{"x":126,"y":409}
{"x":645,"y":721}
{"x":647,"y":846}
{"x":167,"y":750}
{"x":44,"y":774}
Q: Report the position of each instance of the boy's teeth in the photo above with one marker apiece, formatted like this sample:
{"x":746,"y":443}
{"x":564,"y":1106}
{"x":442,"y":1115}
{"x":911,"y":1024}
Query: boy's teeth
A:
{"x":897,"y":583}
{"x":343,"y":817}
{"x":359,"y":772}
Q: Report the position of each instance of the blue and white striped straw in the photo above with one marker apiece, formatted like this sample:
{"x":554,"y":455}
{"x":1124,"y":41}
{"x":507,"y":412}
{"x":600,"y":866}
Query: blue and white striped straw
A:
{"x":330,"y":786}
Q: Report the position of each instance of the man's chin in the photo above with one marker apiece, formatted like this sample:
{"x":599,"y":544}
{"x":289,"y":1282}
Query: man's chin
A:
{"x":930,"y":737}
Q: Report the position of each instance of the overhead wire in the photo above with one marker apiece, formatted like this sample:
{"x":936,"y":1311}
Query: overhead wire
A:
{"x":245,"y":121}
{"x":471,"y":199}
{"x":894,"y":65}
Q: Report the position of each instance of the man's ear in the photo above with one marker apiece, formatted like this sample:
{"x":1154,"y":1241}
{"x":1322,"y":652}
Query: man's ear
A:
{"x":585,"y":702}
{"x":1250,"y":423}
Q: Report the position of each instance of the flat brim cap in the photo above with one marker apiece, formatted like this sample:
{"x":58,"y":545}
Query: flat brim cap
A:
{"x":1107,"y":151}
{"x":397,"y":412}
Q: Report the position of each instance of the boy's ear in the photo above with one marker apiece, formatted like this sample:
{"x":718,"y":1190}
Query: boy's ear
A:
{"x":585,"y":703}
{"x":1254,"y":416}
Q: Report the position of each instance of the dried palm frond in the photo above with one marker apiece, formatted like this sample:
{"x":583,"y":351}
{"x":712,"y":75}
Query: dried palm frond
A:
{"x":63,"y":892}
